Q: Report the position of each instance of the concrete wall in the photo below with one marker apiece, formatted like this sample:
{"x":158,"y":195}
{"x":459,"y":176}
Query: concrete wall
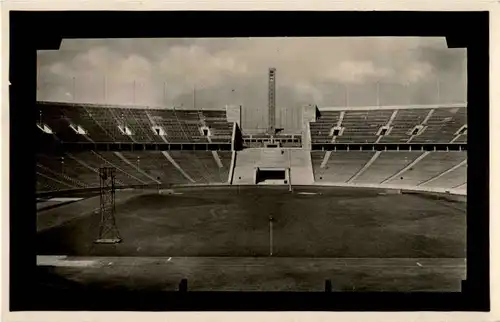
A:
{"x":297,"y":160}
{"x":301,"y":167}
{"x":308,"y":115}
{"x":244,"y":166}
{"x":233,"y":113}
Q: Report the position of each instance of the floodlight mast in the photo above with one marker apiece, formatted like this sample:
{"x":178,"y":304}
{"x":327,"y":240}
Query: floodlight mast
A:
{"x":108,"y":231}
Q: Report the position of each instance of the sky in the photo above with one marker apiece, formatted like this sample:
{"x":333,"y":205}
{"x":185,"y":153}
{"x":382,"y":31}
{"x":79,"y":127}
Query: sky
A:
{"x":215,"y":72}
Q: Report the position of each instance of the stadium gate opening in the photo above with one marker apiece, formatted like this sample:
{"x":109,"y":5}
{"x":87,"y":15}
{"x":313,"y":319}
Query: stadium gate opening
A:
{"x":272,"y":176}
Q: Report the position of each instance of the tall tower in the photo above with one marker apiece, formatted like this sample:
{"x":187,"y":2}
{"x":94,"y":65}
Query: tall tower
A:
{"x":272,"y":102}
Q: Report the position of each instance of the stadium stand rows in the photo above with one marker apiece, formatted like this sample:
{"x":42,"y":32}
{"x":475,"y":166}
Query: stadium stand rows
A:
{"x":339,"y":167}
{"x":202,"y":167}
{"x":103,"y":124}
{"x":433,"y":169}
{"x":80,"y":170}
{"x":439,"y":125}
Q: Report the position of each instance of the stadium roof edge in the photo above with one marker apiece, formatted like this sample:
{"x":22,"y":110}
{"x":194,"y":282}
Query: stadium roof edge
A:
{"x":391,"y":107}
{"x":129,"y":106}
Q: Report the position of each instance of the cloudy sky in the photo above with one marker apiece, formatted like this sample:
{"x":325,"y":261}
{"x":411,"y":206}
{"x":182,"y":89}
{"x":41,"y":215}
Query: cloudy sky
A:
{"x":322,"y":71}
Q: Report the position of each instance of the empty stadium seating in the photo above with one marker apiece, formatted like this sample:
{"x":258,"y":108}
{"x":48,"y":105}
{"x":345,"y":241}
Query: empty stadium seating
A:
{"x":202,"y":167}
{"x":340,"y":166}
{"x":404,"y":121}
{"x":320,"y":130}
{"x":439,"y":125}
{"x":395,"y":168}
{"x":61,"y":169}
{"x":430,"y":166}
{"x":156,"y":165}
{"x":106,"y":124}
{"x":454,"y":178}
{"x":385,"y":165}
{"x":392,"y":168}
{"x":442,"y":125}
{"x":80,"y":170}
{"x":362,"y":126}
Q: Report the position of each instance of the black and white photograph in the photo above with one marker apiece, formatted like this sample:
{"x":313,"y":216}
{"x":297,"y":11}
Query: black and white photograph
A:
{"x":213,"y":164}
{"x":226,"y":170}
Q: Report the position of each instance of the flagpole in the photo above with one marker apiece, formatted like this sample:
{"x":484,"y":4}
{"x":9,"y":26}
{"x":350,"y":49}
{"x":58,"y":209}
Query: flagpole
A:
{"x":104,"y":90}
{"x":134,"y":91}
{"x":165,"y":93}
{"x":438,"y":91}
{"x":347,"y":95}
{"x":407,"y":90}
{"x":264,"y":124}
{"x":281,"y":118}
{"x":286,"y":119}
{"x":378,"y":94}
{"x":257,"y":118}
{"x":74,"y":90}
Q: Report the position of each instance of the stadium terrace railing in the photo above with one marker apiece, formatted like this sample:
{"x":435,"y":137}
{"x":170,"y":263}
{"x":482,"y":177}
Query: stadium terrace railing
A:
{"x":72,"y":147}
{"x":389,"y":147}
{"x":61,"y":146}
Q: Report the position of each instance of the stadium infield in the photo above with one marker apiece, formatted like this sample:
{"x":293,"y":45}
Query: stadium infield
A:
{"x":219,"y":238}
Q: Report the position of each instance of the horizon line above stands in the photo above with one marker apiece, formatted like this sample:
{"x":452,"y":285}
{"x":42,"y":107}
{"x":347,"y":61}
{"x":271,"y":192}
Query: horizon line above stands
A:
{"x":391,"y":107}
{"x":135,"y":106}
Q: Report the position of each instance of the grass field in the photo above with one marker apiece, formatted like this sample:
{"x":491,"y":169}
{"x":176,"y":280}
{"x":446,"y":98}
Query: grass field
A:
{"x":219,"y":238}
{"x":219,"y":222}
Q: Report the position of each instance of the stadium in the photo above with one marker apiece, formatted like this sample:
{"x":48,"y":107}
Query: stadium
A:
{"x":359,"y":199}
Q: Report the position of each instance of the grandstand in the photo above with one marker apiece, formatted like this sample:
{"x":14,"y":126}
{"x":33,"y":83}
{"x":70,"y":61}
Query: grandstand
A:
{"x":433,"y":126}
{"x":115,"y":124}
{"x":446,"y":123}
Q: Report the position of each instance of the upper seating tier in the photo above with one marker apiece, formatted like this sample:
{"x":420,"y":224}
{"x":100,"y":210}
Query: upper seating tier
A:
{"x":102,"y":124}
{"x":437,"y":125}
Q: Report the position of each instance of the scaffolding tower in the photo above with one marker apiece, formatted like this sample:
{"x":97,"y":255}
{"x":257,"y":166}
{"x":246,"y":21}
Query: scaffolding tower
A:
{"x":108,"y":231}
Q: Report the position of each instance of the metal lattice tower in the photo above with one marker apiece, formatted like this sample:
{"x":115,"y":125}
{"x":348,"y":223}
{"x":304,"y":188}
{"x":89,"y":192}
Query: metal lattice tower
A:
{"x":108,"y":231}
{"x":272,"y":101}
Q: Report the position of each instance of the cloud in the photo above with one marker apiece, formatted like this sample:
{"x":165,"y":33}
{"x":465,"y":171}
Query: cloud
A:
{"x":417,"y":72}
{"x":310,"y":91}
{"x":60,"y":69}
{"x":359,"y":71}
{"x":134,"y":67}
{"x":194,"y":65}
{"x":160,"y":72}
